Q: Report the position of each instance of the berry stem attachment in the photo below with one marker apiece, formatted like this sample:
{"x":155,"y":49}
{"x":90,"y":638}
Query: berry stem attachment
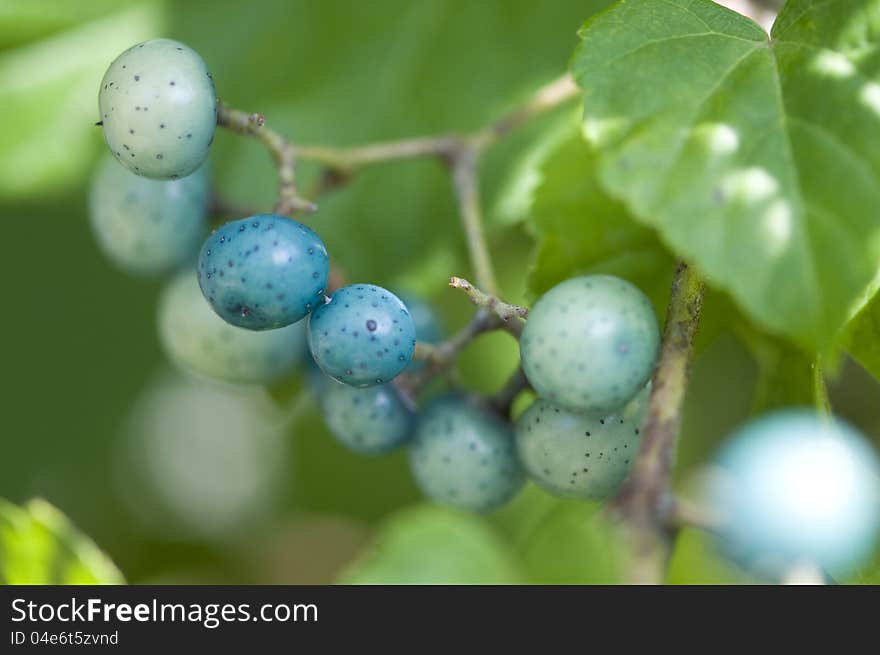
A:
{"x":505,"y":311}
{"x":645,"y":503}
{"x":439,"y":357}
{"x":282,"y":151}
{"x":502,"y":401}
{"x":493,"y":314}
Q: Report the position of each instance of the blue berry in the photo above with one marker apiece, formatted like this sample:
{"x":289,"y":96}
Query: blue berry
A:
{"x":793,"y":487}
{"x":428,"y":326}
{"x":198,"y":340}
{"x":263,"y":272}
{"x":362,"y":336}
{"x":158,"y":109}
{"x":367,"y":421}
{"x":577,"y":455}
{"x":590,"y":344}
{"x":464,"y":457}
{"x":146,"y":226}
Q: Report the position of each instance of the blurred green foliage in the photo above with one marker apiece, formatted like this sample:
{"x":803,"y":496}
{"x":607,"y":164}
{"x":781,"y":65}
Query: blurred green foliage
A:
{"x":80,"y":353}
{"x":38,"y":545}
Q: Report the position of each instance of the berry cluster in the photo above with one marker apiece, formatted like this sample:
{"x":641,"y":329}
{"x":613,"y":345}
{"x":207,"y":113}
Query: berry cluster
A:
{"x":259,"y":290}
{"x":245,"y":299}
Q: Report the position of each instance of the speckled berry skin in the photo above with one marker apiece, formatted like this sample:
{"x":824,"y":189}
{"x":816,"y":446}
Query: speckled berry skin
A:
{"x":428,"y":326}
{"x":148,"y":227}
{"x":363,"y":336}
{"x":197,"y":340}
{"x":264,"y":271}
{"x":590,"y":343}
{"x":367,"y":421}
{"x":158,"y":109}
{"x":794,"y":487}
{"x":464,"y":457}
{"x":576,"y":455}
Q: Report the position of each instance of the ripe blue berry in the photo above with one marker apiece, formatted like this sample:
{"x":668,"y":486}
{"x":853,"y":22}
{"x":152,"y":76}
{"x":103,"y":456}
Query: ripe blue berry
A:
{"x":367,"y":421}
{"x":263,"y":272}
{"x":198,"y":340}
{"x":427,"y":324}
{"x":794,"y":487}
{"x":147,"y":226}
{"x":464,"y":457}
{"x":158,"y":109}
{"x":590,"y":344}
{"x":578,"y":455}
{"x":362,"y":336}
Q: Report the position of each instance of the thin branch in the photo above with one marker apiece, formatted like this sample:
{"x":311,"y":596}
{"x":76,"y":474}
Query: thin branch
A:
{"x":426,"y":352}
{"x":645,"y":502}
{"x":687,"y":514}
{"x":502,"y":401}
{"x":445,"y":146}
{"x":282,"y":151}
{"x":547,"y":97}
{"x":439,"y":357}
{"x":445,"y":351}
{"x":349,"y":160}
{"x":505,"y":311}
{"x":465,"y":182}
{"x":461,"y":154}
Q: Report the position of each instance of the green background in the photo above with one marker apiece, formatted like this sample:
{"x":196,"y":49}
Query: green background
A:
{"x":81,"y":365}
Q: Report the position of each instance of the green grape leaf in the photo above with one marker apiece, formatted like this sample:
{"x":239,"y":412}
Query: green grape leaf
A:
{"x":580,"y":229}
{"x":516,"y":193}
{"x":757,"y":159}
{"x":39,"y":545}
{"x":861,"y":337}
{"x":785,"y":373}
{"x":427,"y":544}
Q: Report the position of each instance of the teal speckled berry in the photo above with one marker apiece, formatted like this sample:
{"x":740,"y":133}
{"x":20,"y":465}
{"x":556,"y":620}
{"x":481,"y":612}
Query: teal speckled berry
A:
{"x":263,"y":272}
{"x":158,"y":109}
{"x":428,"y":326}
{"x":362,"y":336}
{"x":590,"y":344}
{"x":796,"y":488}
{"x":367,"y":421}
{"x":577,"y":455}
{"x":464,"y":457}
{"x":197,"y":340}
{"x":146,"y":226}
